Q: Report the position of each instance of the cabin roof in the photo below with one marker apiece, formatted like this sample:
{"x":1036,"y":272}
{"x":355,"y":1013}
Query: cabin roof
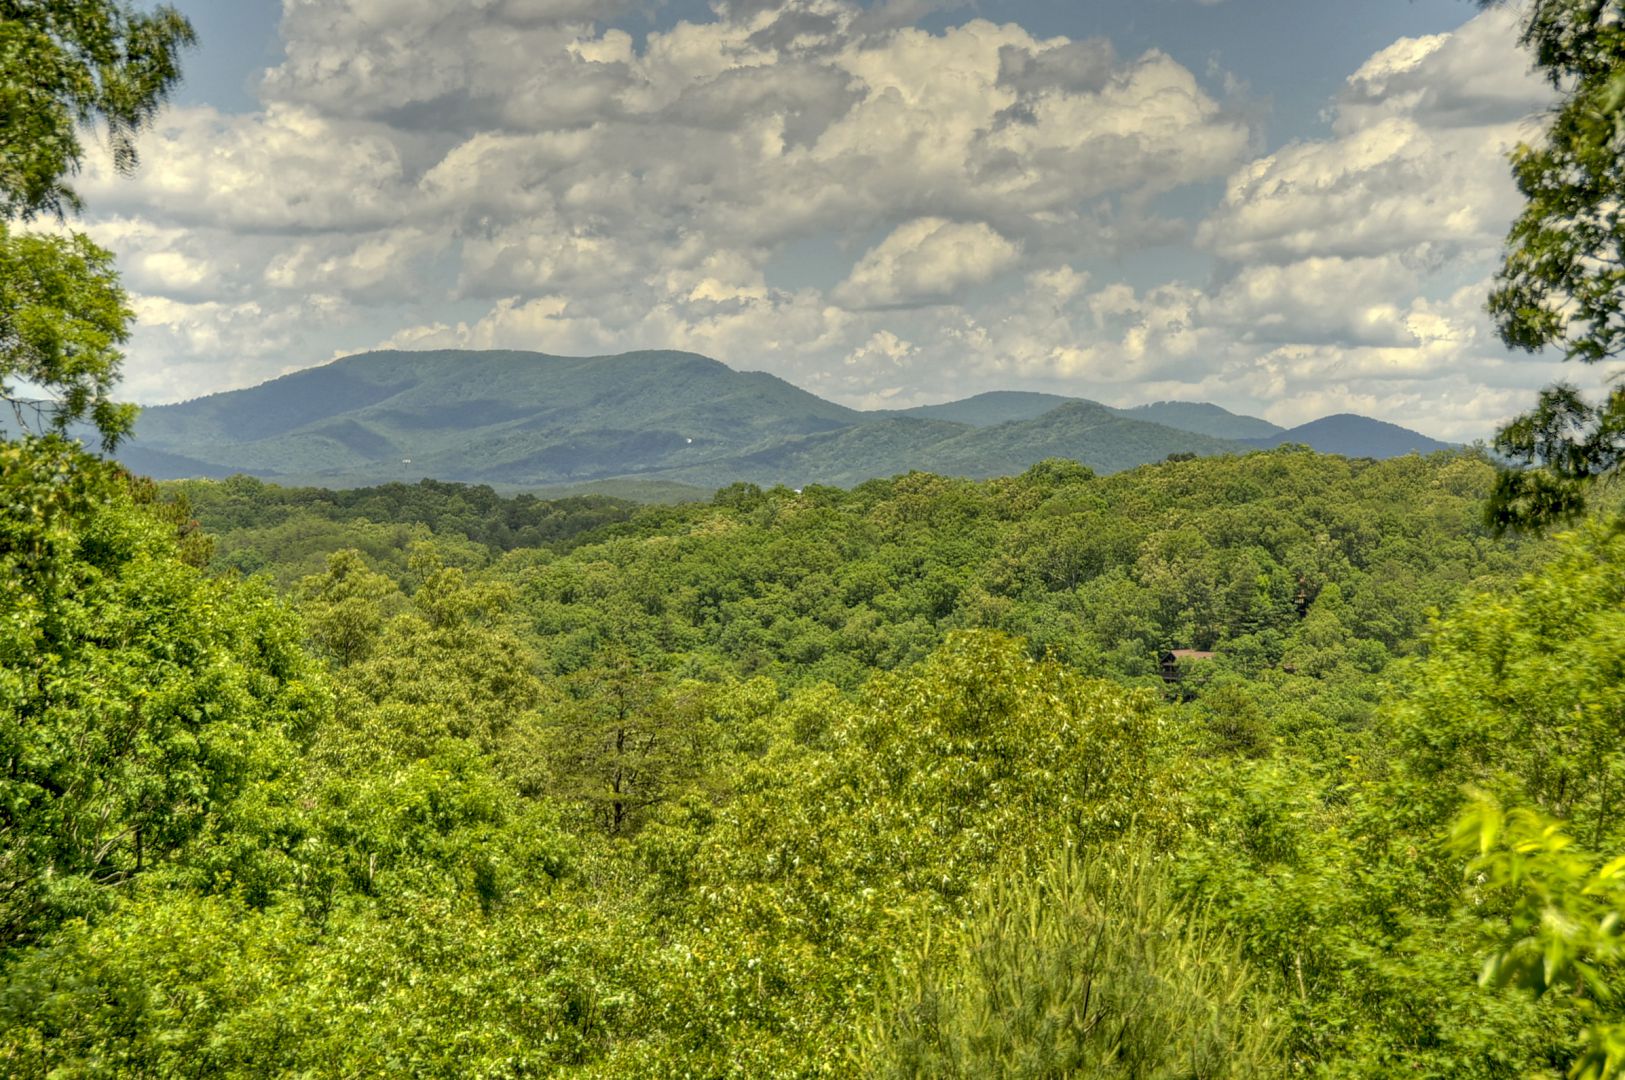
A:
{"x":1191,"y":654}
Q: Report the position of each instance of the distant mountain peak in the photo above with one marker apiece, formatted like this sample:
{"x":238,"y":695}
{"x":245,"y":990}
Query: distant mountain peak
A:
{"x":1353,"y":435}
{"x":533,"y":419}
{"x":1203,"y":417}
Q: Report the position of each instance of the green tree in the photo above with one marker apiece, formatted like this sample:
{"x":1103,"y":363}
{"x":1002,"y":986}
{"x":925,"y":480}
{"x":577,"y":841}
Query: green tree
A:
{"x":143,"y":706}
{"x":66,"y":65}
{"x":69,"y":64}
{"x":1522,"y":695}
{"x":1522,"y":698}
{"x":1562,"y":931}
{"x":345,"y":609}
{"x":62,"y":318}
{"x":1562,"y":284}
{"x":623,"y":742}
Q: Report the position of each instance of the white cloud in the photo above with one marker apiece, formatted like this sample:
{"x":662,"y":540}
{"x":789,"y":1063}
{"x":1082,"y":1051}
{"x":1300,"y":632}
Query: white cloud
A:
{"x":927,"y":260}
{"x":206,"y":343}
{"x":596,"y":190}
{"x":510,"y":173}
{"x":1354,"y":302}
{"x":1347,"y":256}
{"x":169,"y":260}
{"x":1418,"y":158}
{"x":287,"y":169}
{"x":424,"y":63}
{"x":1400,"y":58}
{"x":373,"y":265}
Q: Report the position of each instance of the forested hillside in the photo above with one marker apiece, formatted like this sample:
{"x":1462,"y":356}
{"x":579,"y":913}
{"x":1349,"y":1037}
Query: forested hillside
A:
{"x":668,"y":418}
{"x":1232,"y":554}
{"x":1212,"y":762}
{"x":690,"y":789}
{"x":1357,"y":436}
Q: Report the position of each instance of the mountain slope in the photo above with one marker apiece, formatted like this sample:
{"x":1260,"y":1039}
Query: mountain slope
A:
{"x":1081,"y":430}
{"x":1003,"y":406}
{"x":1085,"y":431}
{"x":503,"y":416}
{"x":1202,"y":418}
{"x":884,"y":447}
{"x":529,"y":420}
{"x":1354,"y":436}
{"x":994,"y":407}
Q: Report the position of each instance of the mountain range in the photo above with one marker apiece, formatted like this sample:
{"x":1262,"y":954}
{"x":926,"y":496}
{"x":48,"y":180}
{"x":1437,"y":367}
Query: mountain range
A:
{"x":524,"y":419}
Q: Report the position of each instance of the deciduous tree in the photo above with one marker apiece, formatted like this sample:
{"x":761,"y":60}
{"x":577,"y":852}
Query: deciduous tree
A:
{"x":66,"y":65}
{"x":1562,"y":284}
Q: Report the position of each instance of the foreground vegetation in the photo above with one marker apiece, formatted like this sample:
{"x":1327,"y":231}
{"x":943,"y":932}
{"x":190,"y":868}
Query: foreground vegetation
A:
{"x":882,"y":781}
{"x":894,"y":781}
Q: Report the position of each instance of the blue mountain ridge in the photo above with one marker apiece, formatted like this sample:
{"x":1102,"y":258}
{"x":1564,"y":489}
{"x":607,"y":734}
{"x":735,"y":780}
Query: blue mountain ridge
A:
{"x":525,"y":419}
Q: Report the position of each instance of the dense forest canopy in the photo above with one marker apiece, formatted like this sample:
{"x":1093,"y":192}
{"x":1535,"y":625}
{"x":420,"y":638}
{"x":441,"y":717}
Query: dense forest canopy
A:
{"x":755,"y":786}
{"x":1268,"y":764}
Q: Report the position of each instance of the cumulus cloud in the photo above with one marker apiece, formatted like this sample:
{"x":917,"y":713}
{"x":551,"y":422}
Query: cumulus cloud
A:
{"x":826,"y":190}
{"x":1419,"y":157}
{"x":424,"y":63}
{"x":1343,"y":257}
{"x":286,"y":169}
{"x":1323,"y":300}
{"x":924,"y":261}
{"x":372,"y":266}
{"x":208,"y":343}
{"x":597,"y":190}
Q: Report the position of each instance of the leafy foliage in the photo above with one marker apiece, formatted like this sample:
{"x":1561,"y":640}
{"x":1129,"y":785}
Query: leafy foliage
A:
{"x":62,"y":316}
{"x":144,"y":707}
{"x":1084,"y":968}
{"x":796,"y":782}
{"x":1560,"y":285}
{"x":69,"y":63}
{"x":1523,"y":703}
{"x":292,"y":531}
{"x":1563,"y":931}
{"x":706,"y":789}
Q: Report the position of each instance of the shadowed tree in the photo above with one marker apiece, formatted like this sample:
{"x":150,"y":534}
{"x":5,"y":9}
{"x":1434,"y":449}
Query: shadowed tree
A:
{"x":623,"y":742}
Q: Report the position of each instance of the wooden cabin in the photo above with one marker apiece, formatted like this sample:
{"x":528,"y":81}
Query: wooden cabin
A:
{"x":1170,"y":660}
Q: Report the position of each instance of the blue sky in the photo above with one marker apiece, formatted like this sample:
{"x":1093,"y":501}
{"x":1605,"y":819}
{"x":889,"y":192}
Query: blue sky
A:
{"x":1290,"y":209}
{"x":1296,"y":54}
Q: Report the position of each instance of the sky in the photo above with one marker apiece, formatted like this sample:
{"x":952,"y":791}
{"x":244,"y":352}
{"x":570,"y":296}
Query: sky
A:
{"x":1290,"y":208}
